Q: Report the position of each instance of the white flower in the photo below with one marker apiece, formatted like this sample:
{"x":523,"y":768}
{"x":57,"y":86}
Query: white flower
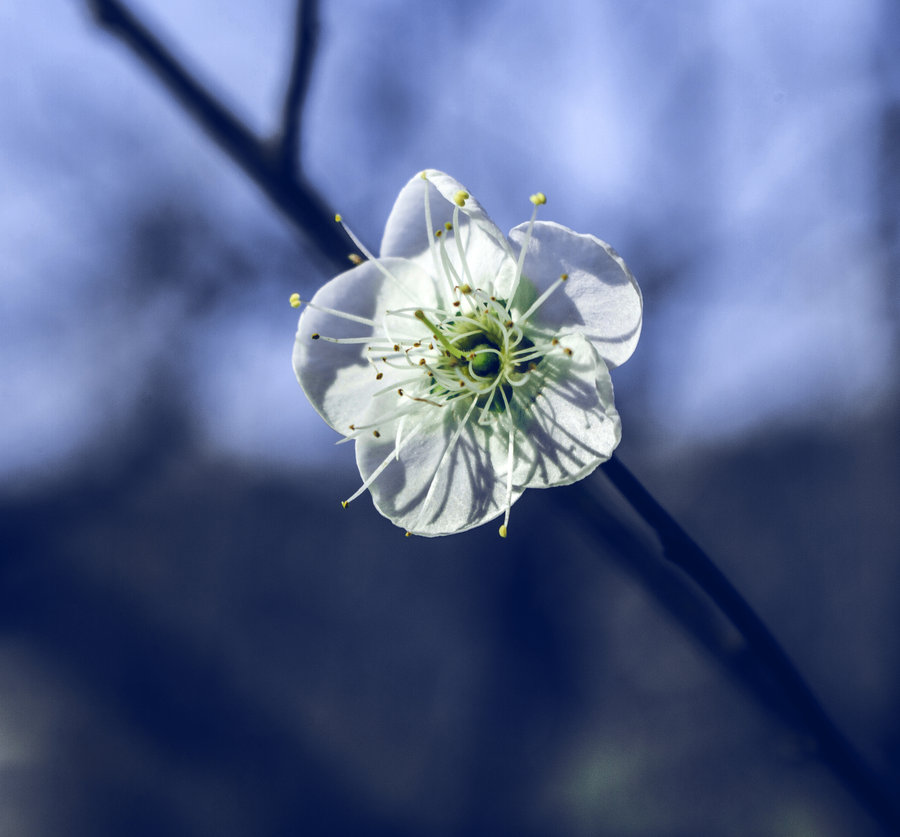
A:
{"x":468,"y":366}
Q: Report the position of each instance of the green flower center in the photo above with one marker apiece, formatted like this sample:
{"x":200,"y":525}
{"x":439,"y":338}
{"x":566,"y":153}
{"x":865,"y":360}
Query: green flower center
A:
{"x":486,"y":363}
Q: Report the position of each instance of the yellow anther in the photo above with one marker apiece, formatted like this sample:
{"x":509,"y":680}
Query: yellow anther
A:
{"x":448,"y":226}
{"x":568,"y":352}
{"x":423,"y":175}
{"x":338,"y":217}
{"x":502,"y":531}
{"x":315,"y":335}
{"x":355,"y":258}
{"x":379,"y":376}
{"x":407,"y":534}
{"x":376,"y":434}
{"x":344,"y":504}
{"x":438,"y":233}
{"x":295,"y":301}
{"x":564,"y":276}
{"x":465,"y":289}
{"x":461,"y":197}
{"x":538,"y":198}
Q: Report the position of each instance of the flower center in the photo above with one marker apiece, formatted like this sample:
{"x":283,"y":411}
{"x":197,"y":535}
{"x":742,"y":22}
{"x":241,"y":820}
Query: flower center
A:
{"x":486,"y":363}
{"x":478,"y":353}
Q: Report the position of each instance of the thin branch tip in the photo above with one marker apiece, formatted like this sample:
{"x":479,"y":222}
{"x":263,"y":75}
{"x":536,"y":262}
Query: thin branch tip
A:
{"x":306,"y":32}
{"x":270,"y":164}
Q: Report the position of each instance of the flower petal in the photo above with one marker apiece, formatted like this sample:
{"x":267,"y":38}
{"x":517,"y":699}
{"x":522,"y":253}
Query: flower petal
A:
{"x":601,"y":298}
{"x":444,"y":479}
{"x":571,"y":425}
{"x":407,"y":235}
{"x":338,"y":378}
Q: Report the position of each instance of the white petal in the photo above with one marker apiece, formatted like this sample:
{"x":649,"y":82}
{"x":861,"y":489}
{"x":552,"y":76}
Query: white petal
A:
{"x":571,"y":425}
{"x":337,"y":377}
{"x":406,"y":233}
{"x":601,"y":298}
{"x":438,"y":486}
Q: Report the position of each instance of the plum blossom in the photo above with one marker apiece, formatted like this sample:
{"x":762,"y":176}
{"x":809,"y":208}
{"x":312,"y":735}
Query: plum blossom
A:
{"x":467,"y":365}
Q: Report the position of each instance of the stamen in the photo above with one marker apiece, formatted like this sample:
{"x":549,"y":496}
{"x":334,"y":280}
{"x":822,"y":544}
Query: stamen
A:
{"x":537,"y":199}
{"x":296,"y":302}
{"x":398,"y":386}
{"x":423,"y":400}
{"x":438,"y":335}
{"x":509,"y":467}
{"x":543,"y":298}
{"x":365,"y":251}
{"x":459,"y":247}
{"x":369,"y":339}
{"x":482,"y":419}
{"x":449,"y":270}
{"x":432,"y":246}
{"x":378,"y":471}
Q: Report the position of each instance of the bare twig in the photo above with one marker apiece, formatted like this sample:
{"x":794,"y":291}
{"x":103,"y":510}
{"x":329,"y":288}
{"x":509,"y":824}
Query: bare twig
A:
{"x":292,"y":195}
{"x":306,"y":33}
{"x":832,"y":746}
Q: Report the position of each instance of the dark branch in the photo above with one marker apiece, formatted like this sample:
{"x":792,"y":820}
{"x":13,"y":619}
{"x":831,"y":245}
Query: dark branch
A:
{"x":832,"y":746}
{"x":293,"y":196}
{"x":306,"y":33}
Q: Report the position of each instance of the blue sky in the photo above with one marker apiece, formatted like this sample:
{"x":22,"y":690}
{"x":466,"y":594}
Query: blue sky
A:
{"x":729,"y":151}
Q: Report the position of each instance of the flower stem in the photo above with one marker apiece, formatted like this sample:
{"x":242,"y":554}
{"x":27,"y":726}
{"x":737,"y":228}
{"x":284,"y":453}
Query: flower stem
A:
{"x":832,"y":746}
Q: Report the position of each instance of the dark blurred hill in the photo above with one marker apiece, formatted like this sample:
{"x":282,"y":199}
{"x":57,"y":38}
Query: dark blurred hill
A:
{"x":192,"y":646}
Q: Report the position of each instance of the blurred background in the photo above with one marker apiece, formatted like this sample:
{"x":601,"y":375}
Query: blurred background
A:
{"x":196,"y":639}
